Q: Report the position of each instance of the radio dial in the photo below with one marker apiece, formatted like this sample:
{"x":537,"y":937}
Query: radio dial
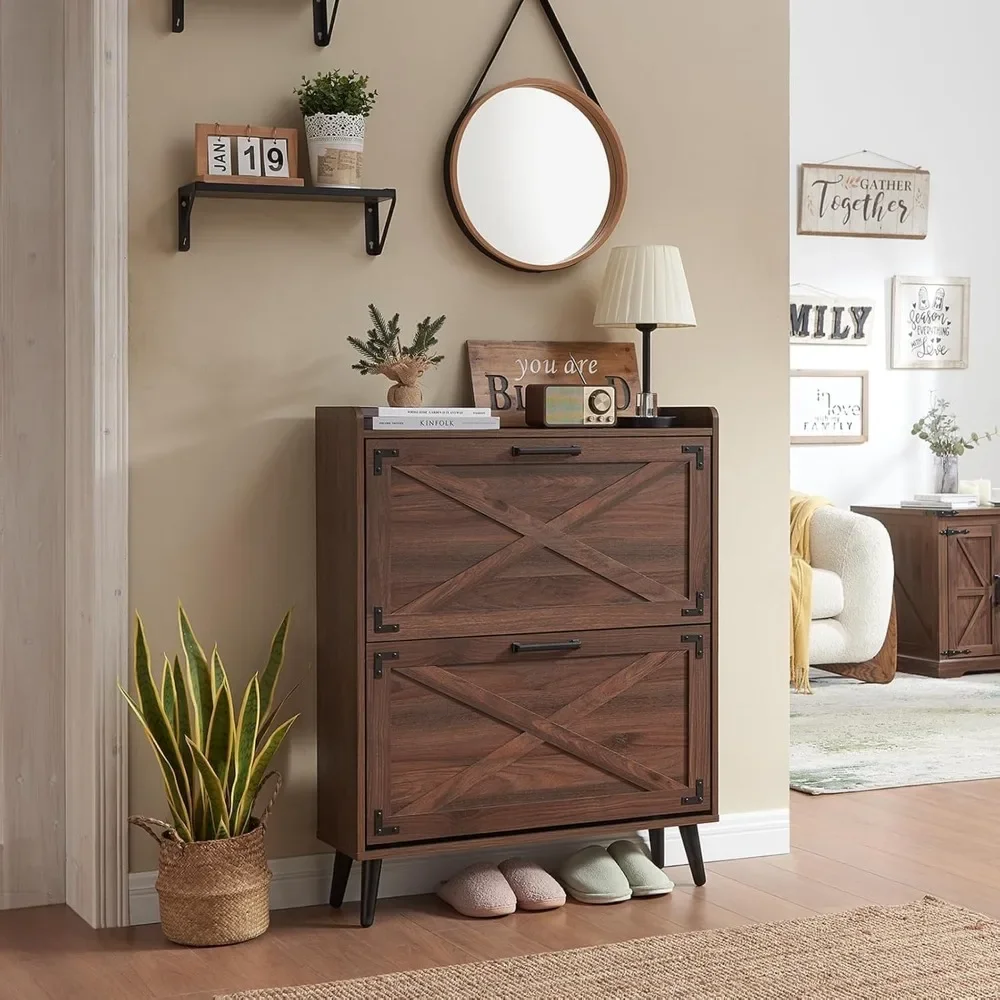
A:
{"x":600,"y":402}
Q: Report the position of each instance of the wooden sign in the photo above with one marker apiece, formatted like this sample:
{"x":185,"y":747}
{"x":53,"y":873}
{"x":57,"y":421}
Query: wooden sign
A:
{"x":829,"y":407}
{"x":500,"y":369}
{"x":841,"y":200}
{"x":247,"y":154}
{"x":829,"y":319}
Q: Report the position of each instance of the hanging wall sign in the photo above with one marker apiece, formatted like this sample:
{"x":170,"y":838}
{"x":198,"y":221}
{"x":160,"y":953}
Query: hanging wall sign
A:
{"x":829,"y":319}
{"x":842,"y":200}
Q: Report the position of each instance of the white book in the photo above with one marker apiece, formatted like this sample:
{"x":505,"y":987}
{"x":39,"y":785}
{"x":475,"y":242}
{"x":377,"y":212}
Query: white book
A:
{"x":969,"y":498}
{"x":435,"y":424}
{"x":434,"y":411}
{"x":930,"y":505}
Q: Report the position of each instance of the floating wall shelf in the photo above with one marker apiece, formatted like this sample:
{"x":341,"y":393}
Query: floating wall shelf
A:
{"x":371,"y":198}
{"x":323,"y":20}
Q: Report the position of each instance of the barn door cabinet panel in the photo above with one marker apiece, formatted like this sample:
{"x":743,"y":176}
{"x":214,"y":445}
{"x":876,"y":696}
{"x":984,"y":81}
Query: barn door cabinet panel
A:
{"x":482,"y":535}
{"x":516,"y":637}
{"x":478,"y":736}
{"x":947,"y":587}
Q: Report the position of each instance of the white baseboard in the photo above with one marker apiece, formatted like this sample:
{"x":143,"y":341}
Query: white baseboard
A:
{"x":305,"y":881}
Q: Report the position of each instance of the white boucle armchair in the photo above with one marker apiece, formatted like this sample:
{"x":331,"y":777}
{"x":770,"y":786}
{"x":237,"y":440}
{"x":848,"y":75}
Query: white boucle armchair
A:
{"x":851,"y":556}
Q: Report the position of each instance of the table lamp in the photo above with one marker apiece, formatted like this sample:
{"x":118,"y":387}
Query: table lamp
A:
{"x":645,"y":287}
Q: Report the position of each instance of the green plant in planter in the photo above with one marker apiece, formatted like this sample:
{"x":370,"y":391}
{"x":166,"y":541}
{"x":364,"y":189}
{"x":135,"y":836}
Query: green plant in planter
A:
{"x":336,"y":93}
{"x":939,"y":429}
{"x":213,"y":760}
{"x":383,"y":353}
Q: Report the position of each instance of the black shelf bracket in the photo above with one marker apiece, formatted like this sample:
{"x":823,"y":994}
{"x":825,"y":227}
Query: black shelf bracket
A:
{"x":185,"y":206}
{"x":369,"y":197}
{"x":374,"y":235}
{"x":176,"y":15}
{"x":323,"y":23}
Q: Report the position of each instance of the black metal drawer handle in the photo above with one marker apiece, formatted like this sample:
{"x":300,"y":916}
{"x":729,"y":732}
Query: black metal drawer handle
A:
{"x":996,"y":589}
{"x":545,"y":647}
{"x":569,"y":449}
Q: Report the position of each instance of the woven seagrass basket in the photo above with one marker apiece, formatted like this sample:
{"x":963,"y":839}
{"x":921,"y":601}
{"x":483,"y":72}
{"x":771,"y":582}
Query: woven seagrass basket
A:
{"x":212,"y":892}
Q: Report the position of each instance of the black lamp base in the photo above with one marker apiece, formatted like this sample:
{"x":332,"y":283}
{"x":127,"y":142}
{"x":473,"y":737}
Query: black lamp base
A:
{"x":636,"y":422}
{"x":646,"y":400}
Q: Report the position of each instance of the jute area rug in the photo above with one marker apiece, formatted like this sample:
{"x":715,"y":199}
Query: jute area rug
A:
{"x":852,"y":737}
{"x":929,"y":950}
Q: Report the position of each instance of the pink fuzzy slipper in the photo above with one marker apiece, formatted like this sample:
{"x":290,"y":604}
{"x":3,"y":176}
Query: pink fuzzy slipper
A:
{"x":534,"y":888}
{"x":479,"y":891}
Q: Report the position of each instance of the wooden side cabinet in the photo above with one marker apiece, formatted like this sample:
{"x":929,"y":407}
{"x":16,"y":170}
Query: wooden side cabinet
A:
{"x":516,"y":637}
{"x":947,"y":587}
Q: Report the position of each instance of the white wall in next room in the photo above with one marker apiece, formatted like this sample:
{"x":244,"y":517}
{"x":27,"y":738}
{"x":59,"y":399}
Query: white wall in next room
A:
{"x":917,"y":80}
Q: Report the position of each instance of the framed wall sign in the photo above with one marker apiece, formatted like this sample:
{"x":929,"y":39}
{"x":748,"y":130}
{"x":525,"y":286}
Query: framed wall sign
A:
{"x":500,"y":369}
{"x":247,"y":154}
{"x":930,"y":323}
{"x":819,"y":318}
{"x":841,"y":200}
{"x":829,"y":407}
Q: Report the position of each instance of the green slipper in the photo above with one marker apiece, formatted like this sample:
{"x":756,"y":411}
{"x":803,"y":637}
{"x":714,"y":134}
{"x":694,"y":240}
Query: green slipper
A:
{"x":592,"y":876}
{"x":644,"y":878}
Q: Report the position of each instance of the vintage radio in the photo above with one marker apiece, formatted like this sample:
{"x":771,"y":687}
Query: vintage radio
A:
{"x":569,"y":406}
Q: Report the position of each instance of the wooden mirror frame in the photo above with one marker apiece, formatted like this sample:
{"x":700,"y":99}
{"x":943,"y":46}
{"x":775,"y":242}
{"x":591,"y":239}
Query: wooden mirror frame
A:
{"x":616,"y":164}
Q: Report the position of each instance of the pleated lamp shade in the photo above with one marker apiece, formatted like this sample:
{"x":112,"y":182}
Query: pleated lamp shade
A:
{"x":644,"y":285}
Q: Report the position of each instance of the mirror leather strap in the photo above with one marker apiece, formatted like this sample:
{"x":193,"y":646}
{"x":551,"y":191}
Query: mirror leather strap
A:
{"x":564,"y":43}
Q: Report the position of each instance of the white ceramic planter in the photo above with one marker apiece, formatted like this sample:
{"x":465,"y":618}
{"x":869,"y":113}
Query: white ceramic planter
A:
{"x":336,"y":148}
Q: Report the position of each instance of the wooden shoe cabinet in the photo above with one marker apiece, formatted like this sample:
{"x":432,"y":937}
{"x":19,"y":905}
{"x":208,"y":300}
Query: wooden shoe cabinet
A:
{"x":516,"y":637}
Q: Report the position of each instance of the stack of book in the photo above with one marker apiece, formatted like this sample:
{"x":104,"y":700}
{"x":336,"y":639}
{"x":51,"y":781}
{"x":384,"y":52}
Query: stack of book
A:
{"x":943,"y":501}
{"x":432,"y":418}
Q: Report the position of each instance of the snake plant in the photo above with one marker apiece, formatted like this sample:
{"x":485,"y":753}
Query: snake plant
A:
{"x":213,"y":759}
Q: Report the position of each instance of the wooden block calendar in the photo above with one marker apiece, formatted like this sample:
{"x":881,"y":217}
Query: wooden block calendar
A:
{"x":247,"y":154}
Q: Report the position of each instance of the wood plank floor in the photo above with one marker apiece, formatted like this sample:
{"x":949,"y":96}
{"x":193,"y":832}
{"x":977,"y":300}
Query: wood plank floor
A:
{"x":848,"y":850}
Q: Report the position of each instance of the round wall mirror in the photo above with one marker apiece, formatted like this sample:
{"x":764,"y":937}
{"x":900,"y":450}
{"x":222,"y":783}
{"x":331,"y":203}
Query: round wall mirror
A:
{"x":536,"y":175}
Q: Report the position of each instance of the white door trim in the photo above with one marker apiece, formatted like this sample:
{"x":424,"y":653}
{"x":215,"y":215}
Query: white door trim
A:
{"x":96,"y":593}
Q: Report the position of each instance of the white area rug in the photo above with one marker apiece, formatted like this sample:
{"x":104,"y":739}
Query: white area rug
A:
{"x":850,"y":737}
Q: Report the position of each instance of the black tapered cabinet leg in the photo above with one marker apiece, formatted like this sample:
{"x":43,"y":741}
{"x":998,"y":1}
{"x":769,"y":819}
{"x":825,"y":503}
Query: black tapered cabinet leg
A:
{"x":370,"y":872}
{"x":341,"y":873}
{"x":692,"y":848}
{"x":656,"y":847}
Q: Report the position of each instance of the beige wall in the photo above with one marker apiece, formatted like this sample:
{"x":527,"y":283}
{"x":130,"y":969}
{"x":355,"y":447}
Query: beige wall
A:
{"x":233,"y":344}
{"x":32,"y":854}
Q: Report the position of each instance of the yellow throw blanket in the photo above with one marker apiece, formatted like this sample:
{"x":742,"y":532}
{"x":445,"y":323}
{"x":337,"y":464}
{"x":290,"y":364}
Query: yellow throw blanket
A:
{"x":801,"y":510}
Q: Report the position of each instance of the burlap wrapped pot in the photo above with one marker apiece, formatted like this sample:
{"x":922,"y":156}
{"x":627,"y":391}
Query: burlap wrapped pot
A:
{"x":212,"y":892}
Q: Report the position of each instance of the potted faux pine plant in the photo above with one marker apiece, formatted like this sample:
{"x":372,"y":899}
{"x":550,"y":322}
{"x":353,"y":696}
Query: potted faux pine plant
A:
{"x":334,"y":107}
{"x":213,"y":754}
{"x":939,"y":429}
{"x":384,"y":354}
